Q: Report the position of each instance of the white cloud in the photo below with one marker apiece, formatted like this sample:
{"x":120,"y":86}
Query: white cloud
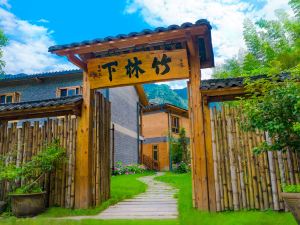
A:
{"x":27,"y":50}
{"x":5,"y":3}
{"x":226,"y":16}
{"x":43,"y":21}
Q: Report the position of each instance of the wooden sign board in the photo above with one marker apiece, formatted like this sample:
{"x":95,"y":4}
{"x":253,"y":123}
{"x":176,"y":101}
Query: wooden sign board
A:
{"x":138,"y":67}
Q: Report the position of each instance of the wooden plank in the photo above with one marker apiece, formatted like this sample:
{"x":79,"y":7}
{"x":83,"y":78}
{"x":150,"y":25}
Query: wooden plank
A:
{"x":119,"y":74}
{"x":84,"y":149}
{"x":198,"y":148}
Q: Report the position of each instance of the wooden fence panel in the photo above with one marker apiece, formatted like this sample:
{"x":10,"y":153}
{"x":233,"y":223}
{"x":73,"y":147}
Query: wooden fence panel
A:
{"x":28,"y":138}
{"x":244,"y":180}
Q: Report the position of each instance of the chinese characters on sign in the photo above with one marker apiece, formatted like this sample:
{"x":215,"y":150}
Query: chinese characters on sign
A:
{"x":138,"y":67}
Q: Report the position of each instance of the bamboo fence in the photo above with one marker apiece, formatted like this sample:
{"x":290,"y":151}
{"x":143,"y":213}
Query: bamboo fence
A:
{"x":27,"y":138}
{"x":244,"y":180}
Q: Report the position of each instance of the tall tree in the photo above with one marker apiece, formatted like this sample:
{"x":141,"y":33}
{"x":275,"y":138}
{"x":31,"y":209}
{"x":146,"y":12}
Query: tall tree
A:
{"x":3,"y":42}
{"x":273,"y":46}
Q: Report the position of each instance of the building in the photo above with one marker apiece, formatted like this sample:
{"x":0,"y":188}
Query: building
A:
{"x":126,"y":103}
{"x":159,"y":123}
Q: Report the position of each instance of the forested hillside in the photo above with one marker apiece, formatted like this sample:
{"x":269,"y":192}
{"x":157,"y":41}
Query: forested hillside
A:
{"x":164,"y":94}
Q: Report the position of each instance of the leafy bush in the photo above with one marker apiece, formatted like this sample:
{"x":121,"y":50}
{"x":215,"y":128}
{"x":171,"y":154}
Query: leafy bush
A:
{"x":120,"y":169}
{"x":179,"y":147}
{"x":291,"y":188}
{"x":182,"y":167}
{"x":273,"y":106}
{"x":32,"y":171}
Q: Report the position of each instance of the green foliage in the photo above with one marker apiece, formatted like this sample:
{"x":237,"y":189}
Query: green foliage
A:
{"x":160,"y":94}
{"x":272,"y":46}
{"x":28,"y":189}
{"x":274,"y":107}
{"x":291,"y":188}
{"x":3,"y":42}
{"x":182,"y":167}
{"x":32,"y":171}
{"x":179,"y":147}
{"x":120,"y":169}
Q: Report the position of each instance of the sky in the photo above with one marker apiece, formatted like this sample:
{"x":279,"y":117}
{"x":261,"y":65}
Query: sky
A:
{"x":34,"y":25}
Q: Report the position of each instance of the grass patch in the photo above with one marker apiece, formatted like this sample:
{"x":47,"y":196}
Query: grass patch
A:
{"x":122,"y":187}
{"x":191,"y":216}
{"x":44,"y":221}
{"x":127,"y":186}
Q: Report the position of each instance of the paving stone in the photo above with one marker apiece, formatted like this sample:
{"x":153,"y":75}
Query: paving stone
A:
{"x":157,"y":202}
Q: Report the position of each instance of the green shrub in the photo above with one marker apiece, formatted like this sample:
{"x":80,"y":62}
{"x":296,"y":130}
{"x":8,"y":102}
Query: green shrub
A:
{"x":182,"y":167}
{"x":291,"y":188}
{"x":33,"y":171}
{"x":120,"y":169}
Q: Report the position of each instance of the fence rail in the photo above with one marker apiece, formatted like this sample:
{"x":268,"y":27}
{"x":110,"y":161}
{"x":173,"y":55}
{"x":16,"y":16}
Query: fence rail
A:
{"x":244,"y":180}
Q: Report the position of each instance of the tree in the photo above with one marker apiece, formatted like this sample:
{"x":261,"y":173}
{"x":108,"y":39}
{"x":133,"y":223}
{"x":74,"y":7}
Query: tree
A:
{"x":273,"y":46}
{"x":3,"y":42}
{"x":179,"y":148}
{"x":273,"y":106}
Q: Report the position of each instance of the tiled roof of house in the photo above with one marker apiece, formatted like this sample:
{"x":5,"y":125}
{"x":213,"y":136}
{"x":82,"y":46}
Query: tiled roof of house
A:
{"x":167,"y":107}
{"x":64,"y":101}
{"x":154,"y":106}
{"x":213,"y":84}
{"x":24,"y":76}
{"x":132,"y":34}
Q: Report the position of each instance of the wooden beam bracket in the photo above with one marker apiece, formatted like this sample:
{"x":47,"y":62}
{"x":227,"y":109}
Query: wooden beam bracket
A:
{"x":78,"y":62}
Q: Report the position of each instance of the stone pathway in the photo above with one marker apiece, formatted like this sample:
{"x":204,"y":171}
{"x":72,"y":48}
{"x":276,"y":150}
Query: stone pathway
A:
{"x":157,"y":202}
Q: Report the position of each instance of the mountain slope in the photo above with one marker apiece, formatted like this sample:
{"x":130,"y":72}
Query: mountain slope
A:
{"x":164,"y":94}
{"x":182,"y":93}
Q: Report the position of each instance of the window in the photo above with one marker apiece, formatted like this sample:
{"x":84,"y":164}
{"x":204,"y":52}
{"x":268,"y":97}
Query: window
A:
{"x":155,"y":152}
{"x":9,"y":98}
{"x":68,"y":91}
{"x":175,"y":124}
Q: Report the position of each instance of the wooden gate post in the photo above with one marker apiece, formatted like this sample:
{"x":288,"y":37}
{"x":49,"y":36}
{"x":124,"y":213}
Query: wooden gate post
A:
{"x":83,"y":197}
{"x":199,"y":170}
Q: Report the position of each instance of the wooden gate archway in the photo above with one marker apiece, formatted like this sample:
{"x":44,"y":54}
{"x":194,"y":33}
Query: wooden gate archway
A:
{"x":175,"y":52}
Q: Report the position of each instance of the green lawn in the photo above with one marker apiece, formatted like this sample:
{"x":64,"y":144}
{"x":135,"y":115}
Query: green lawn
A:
{"x":190,"y":216}
{"x":122,"y":187}
{"x":127,"y":186}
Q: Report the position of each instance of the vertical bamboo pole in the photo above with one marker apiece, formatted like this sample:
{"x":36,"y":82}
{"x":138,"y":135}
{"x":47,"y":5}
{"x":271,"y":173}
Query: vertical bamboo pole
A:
{"x":219,"y":156}
{"x":273,"y":177}
{"x":209,"y":157}
{"x":231,"y":159}
{"x":214,"y":150}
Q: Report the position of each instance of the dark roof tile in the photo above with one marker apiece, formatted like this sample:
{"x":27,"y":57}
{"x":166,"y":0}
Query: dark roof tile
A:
{"x":41,"y":103}
{"x":132,"y":34}
{"x":213,"y":84}
{"x":23,"y":76}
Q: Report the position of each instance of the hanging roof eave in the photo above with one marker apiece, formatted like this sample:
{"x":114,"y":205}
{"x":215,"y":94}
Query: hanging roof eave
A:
{"x":79,"y":53}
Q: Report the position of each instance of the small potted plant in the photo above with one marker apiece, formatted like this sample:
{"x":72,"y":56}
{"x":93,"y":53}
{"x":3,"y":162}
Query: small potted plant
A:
{"x":291,"y":195}
{"x":28,"y":197}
